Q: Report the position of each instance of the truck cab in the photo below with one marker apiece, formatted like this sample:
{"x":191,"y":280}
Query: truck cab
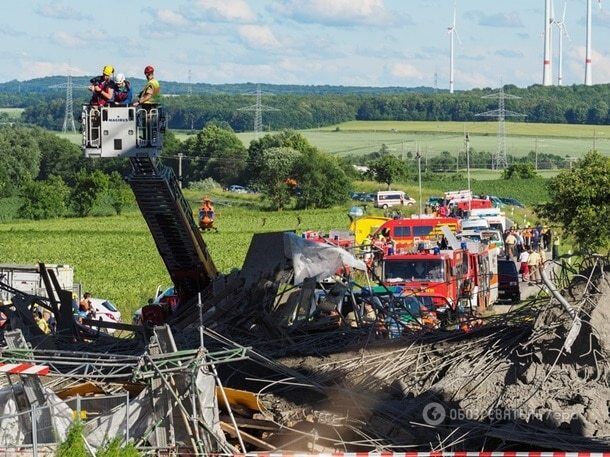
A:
{"x":122,"y":131}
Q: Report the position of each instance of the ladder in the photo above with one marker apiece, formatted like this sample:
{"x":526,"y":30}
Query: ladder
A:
{"x":170,"y":220}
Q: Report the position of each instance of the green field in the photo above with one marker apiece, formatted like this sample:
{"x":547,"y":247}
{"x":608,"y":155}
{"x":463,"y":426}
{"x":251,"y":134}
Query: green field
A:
{"x":432,"y":138}
{"x":115,"y":257}
{"x":13,"y":113}
{"x":361,"y":137}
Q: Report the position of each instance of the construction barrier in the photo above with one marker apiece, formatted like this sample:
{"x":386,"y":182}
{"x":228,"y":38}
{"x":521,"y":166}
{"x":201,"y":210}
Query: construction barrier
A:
{"x":24,"y":368}
{"x":431,"y":454}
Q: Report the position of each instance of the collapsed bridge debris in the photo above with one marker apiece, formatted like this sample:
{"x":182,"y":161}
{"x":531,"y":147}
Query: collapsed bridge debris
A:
{"x":320,"y":385}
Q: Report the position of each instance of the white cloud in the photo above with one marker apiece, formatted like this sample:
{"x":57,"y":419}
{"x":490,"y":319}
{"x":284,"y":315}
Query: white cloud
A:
{"x":67,"y":40}
{"x":600,"y":65}
{"x":257,"y":36}
{"x":171,"y":18}
{"x":168,"y":23}
{"x":57,"y":10}
{"x":464,"y":80}
{"x":341,"y":12}
{"x":41,"y":68}
{"x":404,"y":70}
{"x":225,"y":11}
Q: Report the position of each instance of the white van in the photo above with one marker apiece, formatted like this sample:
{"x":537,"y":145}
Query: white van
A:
{"x":475,"y":224}
{"x":388,"y":198}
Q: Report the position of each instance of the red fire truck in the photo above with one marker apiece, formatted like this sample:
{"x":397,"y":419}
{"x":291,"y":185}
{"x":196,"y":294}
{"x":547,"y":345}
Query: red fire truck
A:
{"x":467,"y":276}
{"x":409,"y":232}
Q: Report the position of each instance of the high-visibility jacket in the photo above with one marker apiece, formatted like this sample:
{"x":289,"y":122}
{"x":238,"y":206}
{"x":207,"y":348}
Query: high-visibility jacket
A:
{"x":156,"y":88}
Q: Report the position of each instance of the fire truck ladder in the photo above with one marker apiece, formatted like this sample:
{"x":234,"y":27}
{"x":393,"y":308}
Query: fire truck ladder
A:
{"x":170,"y":220}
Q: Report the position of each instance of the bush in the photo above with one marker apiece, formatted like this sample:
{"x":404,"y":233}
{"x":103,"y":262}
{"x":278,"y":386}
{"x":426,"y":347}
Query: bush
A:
{"x":44,"y":199}
{"x":74,"y":446}
{"x":114,"y":449}
{"x":519,"y":170}
{"x":204,"y":185}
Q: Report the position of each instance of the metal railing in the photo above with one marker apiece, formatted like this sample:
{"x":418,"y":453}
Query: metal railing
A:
{"x":25,"y":430}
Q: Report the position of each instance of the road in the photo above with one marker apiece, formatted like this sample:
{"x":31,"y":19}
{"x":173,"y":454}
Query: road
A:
{"x":527,"y":291}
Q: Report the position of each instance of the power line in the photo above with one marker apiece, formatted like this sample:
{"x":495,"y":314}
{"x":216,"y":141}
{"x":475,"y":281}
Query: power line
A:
{"x":258,"y":109}
{"x":69,"y":111}
{"x":500,"y":157}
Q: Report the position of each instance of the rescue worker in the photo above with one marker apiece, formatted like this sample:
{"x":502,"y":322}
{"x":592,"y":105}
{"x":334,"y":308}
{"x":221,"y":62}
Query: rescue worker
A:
{"x":150,"y":95}
{"x":123,"y":95}
{"x":43,"y":322}
{"x":102,"y":87}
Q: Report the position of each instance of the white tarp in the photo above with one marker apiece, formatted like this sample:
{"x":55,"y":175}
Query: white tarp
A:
{"x":316,"y":260}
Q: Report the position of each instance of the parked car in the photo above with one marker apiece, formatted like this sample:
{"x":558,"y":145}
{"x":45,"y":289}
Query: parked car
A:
{"x":106,"y":311}
{"x":357,"y":195}
{"x":238,"y":189}
{"x":511,"y":201}
{"x":433,"y":202}
{"x":496,"y":201}
{"x":508,"y":281}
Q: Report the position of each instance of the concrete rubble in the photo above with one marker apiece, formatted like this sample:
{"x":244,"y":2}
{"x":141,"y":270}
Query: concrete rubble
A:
{"x":239,"y":371}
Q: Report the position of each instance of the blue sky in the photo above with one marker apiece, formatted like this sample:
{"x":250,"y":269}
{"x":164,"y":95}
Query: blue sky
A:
{"x":348,"y":42}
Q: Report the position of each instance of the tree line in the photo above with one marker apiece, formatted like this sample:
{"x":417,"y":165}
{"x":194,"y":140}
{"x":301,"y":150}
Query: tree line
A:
{"x":52,"y":178}
{"x":569,"y":104}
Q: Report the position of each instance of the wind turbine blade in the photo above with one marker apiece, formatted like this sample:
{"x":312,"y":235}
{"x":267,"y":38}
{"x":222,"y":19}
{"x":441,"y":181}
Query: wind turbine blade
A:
{"x":565,"y":32}
{"x":563,"y":16}
{"x":454,"y":13}
{"x":457,"y":35}
{"x":552,"y":18}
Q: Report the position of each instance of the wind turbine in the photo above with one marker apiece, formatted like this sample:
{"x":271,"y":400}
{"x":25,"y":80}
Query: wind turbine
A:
{"x":547,"y":69}
{"x":561,"y":25}
{"x":588,"y":76}
{"x":452,"y":31}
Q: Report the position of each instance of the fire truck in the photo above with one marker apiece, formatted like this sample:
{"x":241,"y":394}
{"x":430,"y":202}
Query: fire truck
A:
{"x":467,"y":277}
{"x":409,"y":232}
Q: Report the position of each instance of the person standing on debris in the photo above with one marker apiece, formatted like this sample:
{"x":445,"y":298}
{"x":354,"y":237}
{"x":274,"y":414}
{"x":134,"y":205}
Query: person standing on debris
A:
{"x":151,"y":94}
{"x":85,"y":304}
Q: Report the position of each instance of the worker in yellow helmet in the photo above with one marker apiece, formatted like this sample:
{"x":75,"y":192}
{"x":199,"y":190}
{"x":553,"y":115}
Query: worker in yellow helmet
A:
{"x":102,"y":87}
{"x":151,"y":94}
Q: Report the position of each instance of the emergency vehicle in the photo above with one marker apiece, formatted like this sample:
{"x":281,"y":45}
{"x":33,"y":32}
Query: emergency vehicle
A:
{"x":409,"y":232}
{"x":467,"y":277}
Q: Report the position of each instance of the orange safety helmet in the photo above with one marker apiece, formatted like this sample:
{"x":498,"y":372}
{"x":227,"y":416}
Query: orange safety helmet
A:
{"x":149,"y":69}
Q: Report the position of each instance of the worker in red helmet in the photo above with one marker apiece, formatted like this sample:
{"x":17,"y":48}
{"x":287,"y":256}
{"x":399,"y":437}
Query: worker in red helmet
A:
{"x":150,"y":95}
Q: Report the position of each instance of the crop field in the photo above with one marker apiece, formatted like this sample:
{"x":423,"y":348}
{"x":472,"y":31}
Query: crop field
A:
{"x":115,"y":257}
{"x":13,"y":113}
{"x":432,"y":138}
{"x":401,"y":137}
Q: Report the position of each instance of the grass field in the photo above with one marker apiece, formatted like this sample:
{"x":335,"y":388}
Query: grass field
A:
{"x":432,"y":138}
{"x":13,"y":113}
{"x":115,"y":257}
{"x":361,"y":137}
